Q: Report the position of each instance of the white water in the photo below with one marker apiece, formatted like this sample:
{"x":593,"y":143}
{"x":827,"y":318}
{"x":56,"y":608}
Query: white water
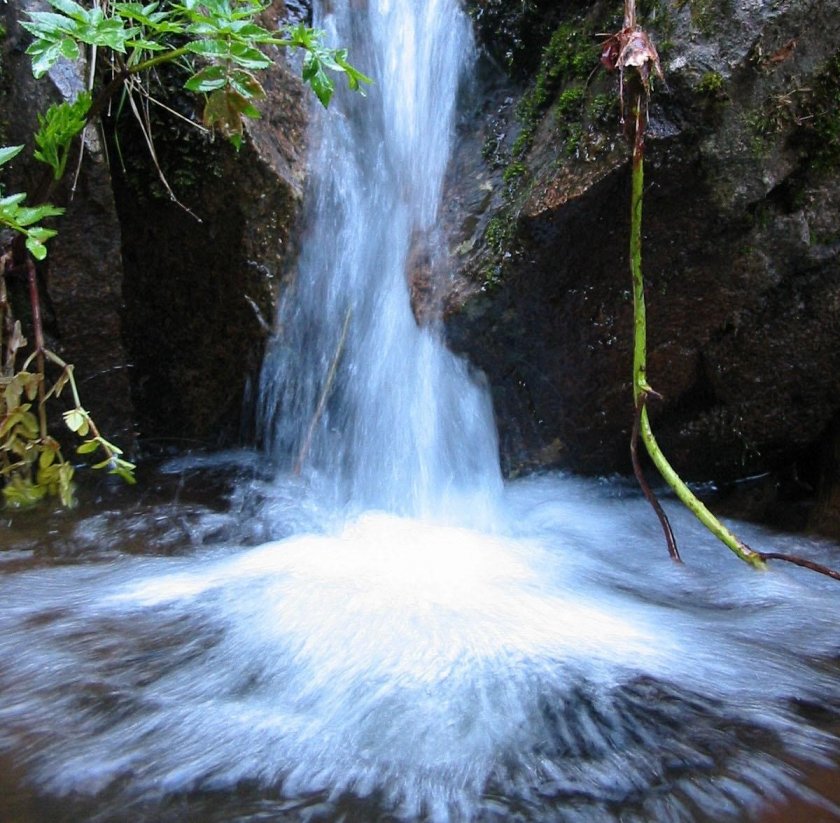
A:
{"x":423,"y":642}
{"x":406,"y":428}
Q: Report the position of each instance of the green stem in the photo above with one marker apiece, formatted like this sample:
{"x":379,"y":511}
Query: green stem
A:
{"x":38,"y":328}
{"x":641,"y":389}
{"x":640,"y":384}
{"x":696,"y":506}
{"x":173,"y":54}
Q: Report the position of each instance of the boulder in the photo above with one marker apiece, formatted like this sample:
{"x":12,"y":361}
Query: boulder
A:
{"x":741,"y":242}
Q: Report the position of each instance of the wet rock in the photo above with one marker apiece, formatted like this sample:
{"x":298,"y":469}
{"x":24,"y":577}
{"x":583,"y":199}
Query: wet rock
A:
{"x":163,"y":305}
{"x":81,"y":279}
{"x":741,"y":245}
{"x":203,"y":274}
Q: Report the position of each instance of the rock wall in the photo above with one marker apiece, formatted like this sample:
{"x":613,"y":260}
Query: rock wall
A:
{"x":741,"y":238}
{"x":82,"y":281}
{"x":162,"y":307}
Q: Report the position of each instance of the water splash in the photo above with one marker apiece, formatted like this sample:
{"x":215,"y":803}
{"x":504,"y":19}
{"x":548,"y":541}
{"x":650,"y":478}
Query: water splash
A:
{"x":560,"y":669}
{"x":423,"y":644}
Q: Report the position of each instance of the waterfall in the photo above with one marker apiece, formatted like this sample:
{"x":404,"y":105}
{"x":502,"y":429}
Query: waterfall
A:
{"x":352,"y":386}
{"x":424,"y":644}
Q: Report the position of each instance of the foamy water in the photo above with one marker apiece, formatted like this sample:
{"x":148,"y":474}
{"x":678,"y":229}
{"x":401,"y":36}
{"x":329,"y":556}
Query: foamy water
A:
{"x":558,"y":668}
{"x":423,"y":643}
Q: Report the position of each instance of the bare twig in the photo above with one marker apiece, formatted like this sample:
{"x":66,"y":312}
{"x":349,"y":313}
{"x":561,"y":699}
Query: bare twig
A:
{"x":325,"y":393}
{"x":673,"y":551}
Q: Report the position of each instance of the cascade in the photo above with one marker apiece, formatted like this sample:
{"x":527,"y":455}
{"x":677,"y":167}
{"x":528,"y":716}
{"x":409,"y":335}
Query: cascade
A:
{"x":385,"y":630}
{"x":406,"y":428}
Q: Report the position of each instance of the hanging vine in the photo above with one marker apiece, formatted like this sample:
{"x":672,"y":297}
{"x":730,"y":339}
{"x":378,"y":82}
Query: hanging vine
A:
{"x":631,"y":52}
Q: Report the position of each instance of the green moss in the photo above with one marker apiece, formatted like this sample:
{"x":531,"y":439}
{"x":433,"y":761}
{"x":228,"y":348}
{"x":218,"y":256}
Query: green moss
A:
{"x":710,"y":83}
{"x":570,"y":56}
{"x":514,"y":171}
{"x":569,"y":103}
{"x":499,"y":233}
{"x":523,"y":140}
{"x":603,"y":108}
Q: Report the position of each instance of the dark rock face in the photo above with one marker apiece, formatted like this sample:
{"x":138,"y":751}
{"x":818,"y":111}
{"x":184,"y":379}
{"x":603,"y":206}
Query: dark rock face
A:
{"x":741,"y":247}
{"x":165,"y":316}
{"x":199,"y":294}
{"x":82,"y":278}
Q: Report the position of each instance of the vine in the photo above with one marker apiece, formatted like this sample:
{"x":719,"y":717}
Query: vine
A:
{"x":632,"y":53}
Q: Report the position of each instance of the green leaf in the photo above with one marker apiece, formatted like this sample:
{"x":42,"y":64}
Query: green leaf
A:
{"x":36,"y":248}
{"x":46,"y":458}
{"x":7,"y":153}
{"x":77,"y":421}
{"x":57,"y":128}
{"x":88,"y":447}
{"x":20,"y":492}
{"x":249,"y":57}
{"x":70,"y":8}
{"x":12,"y":200}
{"x":314,"y":74}
{"x":245,"y":84}
{"x":207,"y":80}
{"x":125,"y":470}
{"x":69,"y":48}
{"x":209,"y":48}
{"x":44,"y":57}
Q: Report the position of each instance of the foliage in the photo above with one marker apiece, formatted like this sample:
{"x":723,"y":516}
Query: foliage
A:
{"x":62,"y":122}
{"x":710,"y":83}
{"x":25,"y":219}
{"x":220,"y":42}
{"x":221,"y":46}
{"x":568,"y":57}
{"x":31,"y":461}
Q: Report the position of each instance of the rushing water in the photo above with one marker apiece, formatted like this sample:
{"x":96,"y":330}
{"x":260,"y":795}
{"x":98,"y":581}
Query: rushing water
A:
{"x":405,"y":429}
{"x":383,"y":630}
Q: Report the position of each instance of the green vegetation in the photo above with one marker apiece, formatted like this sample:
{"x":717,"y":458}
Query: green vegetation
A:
{"x":569,"y":56}
{"x":220,"y":46}
{"x":711,"y":83}
{"x":513,"y":171}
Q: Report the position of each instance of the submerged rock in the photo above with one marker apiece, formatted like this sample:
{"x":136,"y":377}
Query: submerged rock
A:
{"x":741,"y":242}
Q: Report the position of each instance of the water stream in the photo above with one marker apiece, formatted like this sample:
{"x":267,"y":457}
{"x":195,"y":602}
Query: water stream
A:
{"x":375,"y":627}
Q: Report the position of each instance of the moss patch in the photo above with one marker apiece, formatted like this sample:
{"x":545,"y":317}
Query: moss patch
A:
{"x":570,"y":56}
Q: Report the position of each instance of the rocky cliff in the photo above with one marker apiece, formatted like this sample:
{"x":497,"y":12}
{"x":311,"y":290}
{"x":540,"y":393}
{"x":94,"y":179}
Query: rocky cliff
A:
{"x":741,"y":246}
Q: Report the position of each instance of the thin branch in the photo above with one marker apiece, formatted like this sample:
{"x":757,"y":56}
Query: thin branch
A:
{"x":673,"y":551}
{"x":325,"y":393}
{"x":38,"y":328}
{"x":801,"y":561}
{"x":144,"y":122}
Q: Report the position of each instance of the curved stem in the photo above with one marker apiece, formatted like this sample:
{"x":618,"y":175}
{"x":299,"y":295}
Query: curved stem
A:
{"x":641,"y":389}
{"x":696,"y":506}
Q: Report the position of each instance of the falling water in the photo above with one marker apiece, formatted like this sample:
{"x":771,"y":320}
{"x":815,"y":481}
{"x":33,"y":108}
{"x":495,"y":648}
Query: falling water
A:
{"x":391,"y":633}
{"x":405,"y":428}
